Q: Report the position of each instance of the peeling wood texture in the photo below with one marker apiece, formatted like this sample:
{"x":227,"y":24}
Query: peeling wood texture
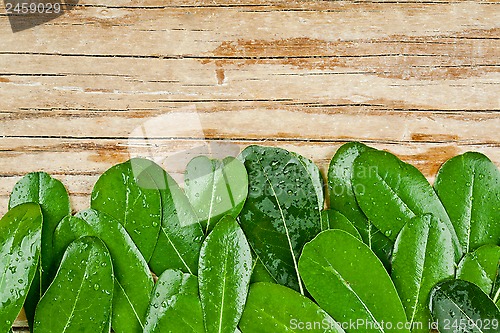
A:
{"x":173,"y":79}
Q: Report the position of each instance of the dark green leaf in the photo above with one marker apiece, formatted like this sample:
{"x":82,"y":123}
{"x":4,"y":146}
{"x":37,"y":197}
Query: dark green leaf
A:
{"x":175,"y":306}
{"x":348,"y":280}
{"x":215,"y":188}
{"x":129,"y":195}
{"x":461,"y":306}
{"x":423,"y":256}
{"x":482,"y":267}
{"x":260,"y":273}
{"x":316,"y":178}
{"x":20,"y":239}
{"x":281,"y":213}
{"x":51,"y":195}
{"x":80,"y":297}
{"x":342,"y":199}
{"x":274,"y":308}
{"x":469,"y":187}
{"x":331,"y":219}
{"x":133,"y":281}
{"x":224,"y":275}
{"x":391,"y":192}
{"x":179,"y":242}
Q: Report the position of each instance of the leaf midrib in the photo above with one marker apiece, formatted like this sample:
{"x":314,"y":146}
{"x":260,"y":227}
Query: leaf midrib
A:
{"x":461,"y":311}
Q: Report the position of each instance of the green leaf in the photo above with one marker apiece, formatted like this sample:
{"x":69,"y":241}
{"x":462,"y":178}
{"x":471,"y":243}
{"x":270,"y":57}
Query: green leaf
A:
{"x":181,"y":235}
{"x":274,"y":308}
{"x":423,"y":256}
{"x":469,"y":187}
{"x":281,"y":213}
{"x":260,"y":273}
{"x":316,"y":178}
{"x":482,"y":267}
{"x":133,"y":281}
{"x":20,"y":239}
{"x":129,"y":195}
{"x":51,"y":195}
{"x":80,"y":297}
{"x":224,"y":269}
{"x":332,"y":219}
{"x":215,"y":188}
{"x":391,"y":192}
{"x":175,"y":306}
{"x":342,"y":199}
{"x":348,"y":280}
{"x":461,"y":306}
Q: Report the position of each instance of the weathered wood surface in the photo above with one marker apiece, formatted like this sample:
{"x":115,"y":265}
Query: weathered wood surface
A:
{"x":113,"y":79}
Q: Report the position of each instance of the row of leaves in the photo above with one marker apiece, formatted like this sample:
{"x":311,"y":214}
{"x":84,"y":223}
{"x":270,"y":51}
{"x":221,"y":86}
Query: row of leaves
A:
{"x":247,"y":244}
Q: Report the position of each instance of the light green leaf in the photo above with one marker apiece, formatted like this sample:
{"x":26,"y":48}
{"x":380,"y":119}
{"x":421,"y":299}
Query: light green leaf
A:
{"x":349,"y":282}
{"x":215,"y":188}
{"x":342,"y":199}
{"x":80,"y":297}
{"x":175,"y":306}
{"x":461,"y":306}
{"x":391,"y":192}
{"x":133,"y":280}
{"x":20,"y":239}
{"x":482,"y":267}
{"x":469,"y":187}
{"x":332,"y":219}
{"x":224,"y":269}
{"x":281,"y":213}
{"x":423,"y":256}
{"x":51,"y":195}
{"x":129,"y":195}
{"x":274,"y":308}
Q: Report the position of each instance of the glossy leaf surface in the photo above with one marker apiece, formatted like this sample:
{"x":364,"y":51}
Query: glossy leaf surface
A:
{"x":215,"y":188}
{"x":224,"y":270}
{"x":482,"y":267}
{"x":127,"y":193}
{"x":51,"y":195}
{"x":316,"y":178}
{"x":274,"y":308}
{"x":281,"y":213}
{"x":181,"y":235}
{"x":461,"y":306}
{"x":391,"y":192}
{"x":469,"y":187}
{"x":133,"y":281}
{"x":332,"y":219}
{"x":80,"y":297}
{"x":349,"y":282}
{"x":343,"y":199}
{"x":423,"y":256}
{"x":175,"y":306}
{"x":20,"y":239}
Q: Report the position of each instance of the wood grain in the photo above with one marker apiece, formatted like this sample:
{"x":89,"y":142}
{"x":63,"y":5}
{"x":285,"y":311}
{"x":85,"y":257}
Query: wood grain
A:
{"x":172,"y":79}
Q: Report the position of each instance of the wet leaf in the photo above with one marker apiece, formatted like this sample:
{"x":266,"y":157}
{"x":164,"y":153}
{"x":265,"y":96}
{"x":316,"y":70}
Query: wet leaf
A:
{"x":281,"y":213}
{"x":224,"y":269}
{"x":349,"y":282}
{"x":274,"y":308}
{"x":423,"y":256}
{"x":316,"y":178}
{"x":260,"y":273}
{"x":332,"y":219}
{"x":469,"y":187}
{"x":391,"y":192}
{"x":461,"y":306}
{"x":215,"y":188}
{"x":80,"y":297}
{"x":181,"y":235}
{"x":343,"y":199}
{"x":130,"y":196}
{"x":482,"y":267}
{"x":133,"y":281}
{"x":175,"y":306}
{"x":51,"y":195}
{"x":20,"y":240}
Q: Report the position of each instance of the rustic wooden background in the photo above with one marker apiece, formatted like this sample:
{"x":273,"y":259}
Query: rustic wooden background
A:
{"x":112,"y":79}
